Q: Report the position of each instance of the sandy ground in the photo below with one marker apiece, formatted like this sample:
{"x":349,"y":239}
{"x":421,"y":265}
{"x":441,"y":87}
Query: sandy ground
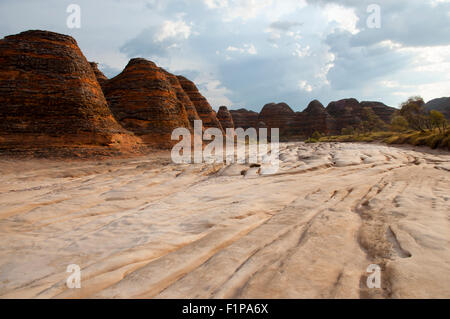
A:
{"x":147,"y":228}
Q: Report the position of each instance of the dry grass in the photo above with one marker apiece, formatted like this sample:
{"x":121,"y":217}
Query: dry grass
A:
{"x":433,"y":139}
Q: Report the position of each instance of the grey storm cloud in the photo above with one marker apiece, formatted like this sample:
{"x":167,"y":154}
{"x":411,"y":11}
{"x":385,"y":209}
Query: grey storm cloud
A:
{"x":284,"y":25}
{"x":309,"y":46}
{"x":355,"y":66}
{"x":408,"y":22}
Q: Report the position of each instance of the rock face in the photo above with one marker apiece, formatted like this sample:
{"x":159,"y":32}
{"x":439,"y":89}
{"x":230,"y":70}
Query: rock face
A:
{"x":225,"y":118}
{"x":346,"y":112}
{"x":277,"y":116}
{"x":313,"y":118}
{"x":50,"y":97}
{"x":144,"y":101}
{"x":316,"y":118}
{"x":442,"y":105}
{"x":101,"y":78}
{"x":204,"y":110}
{"x":183,"y":98}
{"x":244,"y":118}
{"x":383,"y":111}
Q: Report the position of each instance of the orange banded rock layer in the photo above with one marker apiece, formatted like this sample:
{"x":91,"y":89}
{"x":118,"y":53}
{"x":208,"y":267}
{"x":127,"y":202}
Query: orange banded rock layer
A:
{"x":50,"y":97}
{"x":144,"y":102}
{"x":204,"y":109}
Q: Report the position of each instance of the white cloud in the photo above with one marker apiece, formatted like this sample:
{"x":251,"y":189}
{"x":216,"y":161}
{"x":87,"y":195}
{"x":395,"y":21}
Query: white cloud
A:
{"x":300,"y":51}
{"x":172,"y":29}
{"x":213,"y":90}
{"x":345,"y":18}
{"x":247,"y":48}
{"x":252,"y":50}
{"x":214,"y":4}
{"x":389,"y":84}
{"x":305,"y":86}
{"x":249,"y":9}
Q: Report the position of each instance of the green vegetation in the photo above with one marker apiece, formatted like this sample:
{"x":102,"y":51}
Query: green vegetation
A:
{"x":409,"y":125}
{"x":433,"y":139}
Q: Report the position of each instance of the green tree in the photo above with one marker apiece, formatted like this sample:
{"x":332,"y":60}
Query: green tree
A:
{"x":349,"y":130}
{"x":371,"y":121}
{"x":438,"y":120}
{"x":413,"y":111}
{"x":399,"y":123}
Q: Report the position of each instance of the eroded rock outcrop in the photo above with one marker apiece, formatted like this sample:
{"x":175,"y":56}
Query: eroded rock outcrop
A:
{"x":101,"y":78}
{"x":277,"y":116}
{"x":144,"y":101}
{"x":183,"y":98}
{"x":349,"y":112}
{"x":383,"y":111}
{"x":244,"y":118}
{"x":346,"y":112}
{"x":204,"y":109}
{"x":50,"y":97}
{"x":225,"y":118}
{"x":314,"y":118}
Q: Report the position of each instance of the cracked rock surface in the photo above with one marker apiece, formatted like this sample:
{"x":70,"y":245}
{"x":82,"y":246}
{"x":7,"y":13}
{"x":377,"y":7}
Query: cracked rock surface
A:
{"x":147,"y":228}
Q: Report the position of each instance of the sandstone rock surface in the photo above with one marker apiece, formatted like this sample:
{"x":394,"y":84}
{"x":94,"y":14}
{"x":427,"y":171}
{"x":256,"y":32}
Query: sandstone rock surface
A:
{"x":50,"y":97}
{"x":144,"y":101}
{"x":183,"y":98}
{"x":277,"y":115}
{"x":346,"y":112}
{"x":147,"y":228}
{"x":314,"y":118}
{"x":204,"y":109}
{"x":244,"y":118}
{"x":383,"y":111}
{"x":225,"y":118}
{"x":101,"y":78}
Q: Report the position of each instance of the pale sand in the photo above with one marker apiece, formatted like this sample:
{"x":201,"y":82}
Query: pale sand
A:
{"x":147,"y":228}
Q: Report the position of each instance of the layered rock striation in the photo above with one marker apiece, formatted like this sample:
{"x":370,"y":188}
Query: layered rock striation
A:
{"x":204,"y":109}
{"x":244,"y":118}
{"x":101,"y":78}
{"x":384,"y":112}
{"x":278,"y":116}
{"x":225,"y":118}
{"x":314,"y":118}
{"x":50,"y":97}
{"x":145,"y":101}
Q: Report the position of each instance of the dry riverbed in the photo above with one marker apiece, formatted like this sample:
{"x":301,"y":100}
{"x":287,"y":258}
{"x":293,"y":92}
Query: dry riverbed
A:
{"x":148,"y":228}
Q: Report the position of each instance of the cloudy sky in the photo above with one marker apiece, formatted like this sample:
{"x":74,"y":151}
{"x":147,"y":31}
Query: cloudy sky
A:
{"x":246,"y":53}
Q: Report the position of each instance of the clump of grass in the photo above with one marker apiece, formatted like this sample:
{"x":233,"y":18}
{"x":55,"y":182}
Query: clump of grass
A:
{"x":431,"y":138}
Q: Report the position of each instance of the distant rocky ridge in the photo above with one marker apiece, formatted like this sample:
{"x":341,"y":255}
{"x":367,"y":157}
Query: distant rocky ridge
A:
{"x":225,"y":118}
{"x":52,"y":97}
{"x":276,"y":115}
{"x":313,"y":118}
{"x":383,"y":111}
{"x":441,"y":104}
{"x":244,"y":118}
{"x":330,"y":120}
